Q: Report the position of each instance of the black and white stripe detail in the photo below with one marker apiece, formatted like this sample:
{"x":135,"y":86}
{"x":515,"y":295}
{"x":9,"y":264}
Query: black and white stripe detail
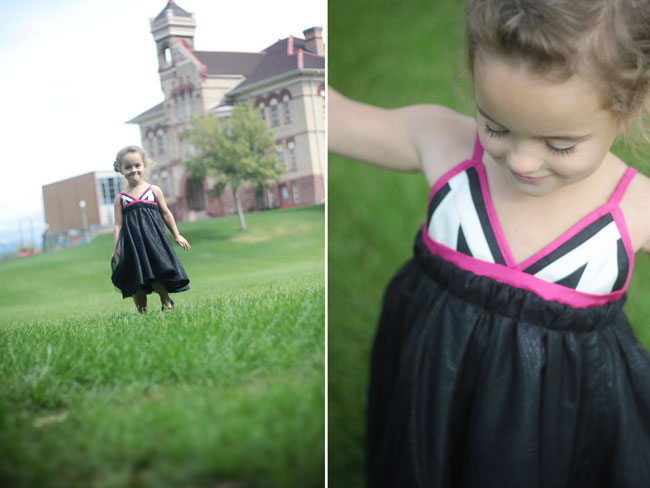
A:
{"x":126,"y":199}
{"x":459,"y":220}
{"x":147,"y":196}
{"x":592,"y":261}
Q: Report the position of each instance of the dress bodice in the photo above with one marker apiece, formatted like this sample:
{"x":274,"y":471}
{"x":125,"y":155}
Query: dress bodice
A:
{"x":589,"y":264}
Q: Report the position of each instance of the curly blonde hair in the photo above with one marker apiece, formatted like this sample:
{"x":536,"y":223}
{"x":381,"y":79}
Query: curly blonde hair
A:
{"x":117,"y":164}
{"x":607,"y":41}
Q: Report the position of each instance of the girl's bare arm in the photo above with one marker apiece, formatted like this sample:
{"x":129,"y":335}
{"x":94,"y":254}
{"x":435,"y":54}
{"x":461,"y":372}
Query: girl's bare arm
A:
{"x":403,"y":139}
{"x":168,"y":218}
{"x":117,"y":208}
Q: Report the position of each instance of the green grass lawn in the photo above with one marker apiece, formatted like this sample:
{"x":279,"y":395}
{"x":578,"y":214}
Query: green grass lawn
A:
{"x":225,"y":391}
{"x":389,"y":54}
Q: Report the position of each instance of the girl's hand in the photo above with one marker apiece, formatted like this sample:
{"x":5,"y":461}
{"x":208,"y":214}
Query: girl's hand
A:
{"x":181,"y":241}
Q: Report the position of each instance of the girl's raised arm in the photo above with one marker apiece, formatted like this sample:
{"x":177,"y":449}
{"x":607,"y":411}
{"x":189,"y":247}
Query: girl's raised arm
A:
{"x":404,"y":139}
{"x":370,"y":134}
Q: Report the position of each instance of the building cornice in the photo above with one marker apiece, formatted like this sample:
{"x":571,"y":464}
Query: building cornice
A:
{"x":254,"y":89}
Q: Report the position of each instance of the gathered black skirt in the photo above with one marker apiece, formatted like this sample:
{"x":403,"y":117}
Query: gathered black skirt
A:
{"x":475,"y":383}
{"x":143,"y":253}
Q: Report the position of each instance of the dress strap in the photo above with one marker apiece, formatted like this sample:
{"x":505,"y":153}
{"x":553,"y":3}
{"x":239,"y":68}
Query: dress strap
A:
{"x":622,"y":185}
{"x":478,"y":150}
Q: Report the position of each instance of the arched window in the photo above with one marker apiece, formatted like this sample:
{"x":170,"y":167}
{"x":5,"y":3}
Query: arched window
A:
{"x":167,"y":55}
{"x":161,"y":141}
{"x":275,"y":113}
{"x":164,"y":181}
{"x":287,"y":109}
{"x":152,"y":144}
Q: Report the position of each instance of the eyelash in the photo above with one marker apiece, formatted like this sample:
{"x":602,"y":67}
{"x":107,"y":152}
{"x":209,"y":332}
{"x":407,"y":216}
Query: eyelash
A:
{"x":502,"y":133}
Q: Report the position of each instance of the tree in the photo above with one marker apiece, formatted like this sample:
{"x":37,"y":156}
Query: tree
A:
{"x":234,"y":151}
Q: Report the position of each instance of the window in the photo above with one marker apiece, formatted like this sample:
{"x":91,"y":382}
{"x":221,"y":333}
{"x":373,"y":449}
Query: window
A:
{"x":161,"y":142}
{"x":287,"y":109}
{"x":271,"y":195}
{"x":275,"y":113}
{"x":295,"y":191}
{"x":262,"y":112}
{"x":280,"y":154}
{"x":185,"y":95}
{"x":177,"y":108}
{"x":110,"y":187}
{"x":152,"y":144}
{"x":167,"y":53}
{"x":293,"y":164}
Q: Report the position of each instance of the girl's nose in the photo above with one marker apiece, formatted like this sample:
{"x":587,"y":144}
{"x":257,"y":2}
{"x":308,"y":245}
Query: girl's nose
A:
{"x":523,"y":159}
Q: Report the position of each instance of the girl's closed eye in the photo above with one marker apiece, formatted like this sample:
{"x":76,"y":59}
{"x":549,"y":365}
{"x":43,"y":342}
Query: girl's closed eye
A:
{"x":560,"y":151}
{"x":495,"y":132}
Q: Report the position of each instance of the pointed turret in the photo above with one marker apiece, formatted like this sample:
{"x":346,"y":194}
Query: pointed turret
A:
{"x":172,"y":22}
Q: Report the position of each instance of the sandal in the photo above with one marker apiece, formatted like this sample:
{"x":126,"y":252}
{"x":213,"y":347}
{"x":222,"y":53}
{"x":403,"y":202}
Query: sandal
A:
{"x":170,"y":308}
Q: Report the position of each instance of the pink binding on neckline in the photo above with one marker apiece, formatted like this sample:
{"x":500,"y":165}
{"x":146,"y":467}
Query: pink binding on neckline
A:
{"x":518,"y":278}
{"x":139,"y":199}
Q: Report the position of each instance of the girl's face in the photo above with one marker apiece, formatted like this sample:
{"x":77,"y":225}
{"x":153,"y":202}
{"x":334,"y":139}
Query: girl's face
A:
{"x":133,"y":168}
{"x":545,"y":134}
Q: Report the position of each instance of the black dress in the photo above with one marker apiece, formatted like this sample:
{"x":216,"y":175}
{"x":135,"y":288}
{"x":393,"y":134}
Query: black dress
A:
{"x":485,"y":375}
{"x":143,"y":253}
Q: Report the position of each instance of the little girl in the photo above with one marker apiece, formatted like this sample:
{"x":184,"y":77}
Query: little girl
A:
{"x":143,"y":260}
{"x":502,"y":356}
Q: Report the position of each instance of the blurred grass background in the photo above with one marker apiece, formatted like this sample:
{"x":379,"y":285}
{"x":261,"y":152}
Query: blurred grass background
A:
{"x":226,"y":391}
{"x":390,"y":54}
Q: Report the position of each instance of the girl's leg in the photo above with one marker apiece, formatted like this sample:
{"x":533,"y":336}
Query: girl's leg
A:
{"x":140,"y":299}
{"x":165,"y":301}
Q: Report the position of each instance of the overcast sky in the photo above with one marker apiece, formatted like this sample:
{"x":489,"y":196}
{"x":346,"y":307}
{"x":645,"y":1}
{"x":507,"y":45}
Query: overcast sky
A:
{"x":72,"y":72}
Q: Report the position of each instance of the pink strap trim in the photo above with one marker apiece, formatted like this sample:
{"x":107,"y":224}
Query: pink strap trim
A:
{"x":492,"y":215}
{"x":519,"y":279}
{"x":139,"y":199}
{"x":617,"y":196}
{"x":444,"y":179}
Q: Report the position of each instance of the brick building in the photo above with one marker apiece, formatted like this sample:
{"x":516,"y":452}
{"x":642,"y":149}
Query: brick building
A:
{"x":79,"y":207}
{"x":285,"y":82}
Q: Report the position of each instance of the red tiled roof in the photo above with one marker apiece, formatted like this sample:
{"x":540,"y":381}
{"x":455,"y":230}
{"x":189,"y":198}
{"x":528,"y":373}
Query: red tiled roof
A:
{"x":285,"y":55}
{"x":228,"y":63}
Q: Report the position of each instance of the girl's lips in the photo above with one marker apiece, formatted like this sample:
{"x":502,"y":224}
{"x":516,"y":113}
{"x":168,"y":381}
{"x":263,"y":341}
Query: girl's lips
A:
{"x":529,"y":179}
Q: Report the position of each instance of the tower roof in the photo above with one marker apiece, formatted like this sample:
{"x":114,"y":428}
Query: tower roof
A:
{"x":176,"y":11}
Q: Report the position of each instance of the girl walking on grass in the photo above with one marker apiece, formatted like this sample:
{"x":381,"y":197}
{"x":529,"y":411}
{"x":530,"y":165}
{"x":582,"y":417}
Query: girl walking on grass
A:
{"x":503,"y":357}
{"x":143,"y":260}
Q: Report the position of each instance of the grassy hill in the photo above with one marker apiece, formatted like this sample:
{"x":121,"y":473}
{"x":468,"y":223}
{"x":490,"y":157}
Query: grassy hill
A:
{"x":227,"y":390}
